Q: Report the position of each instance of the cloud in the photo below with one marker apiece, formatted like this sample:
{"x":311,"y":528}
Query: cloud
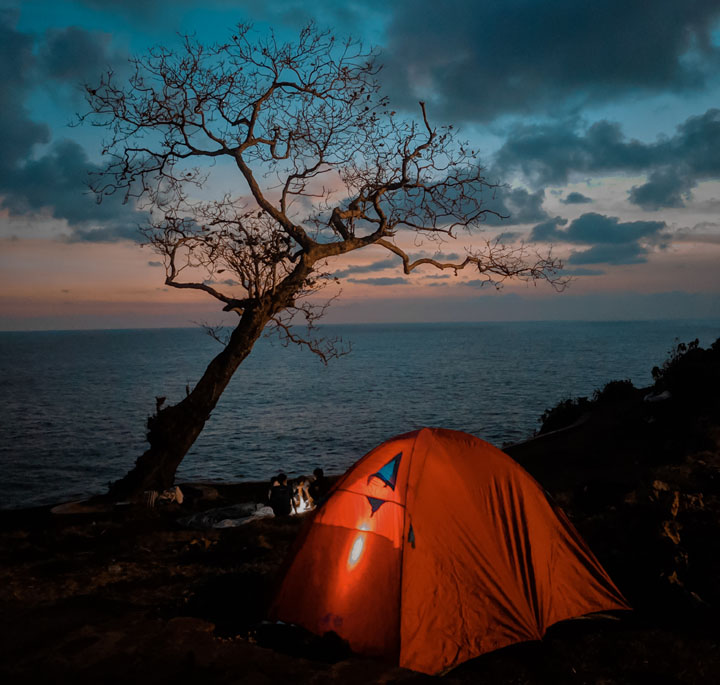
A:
{"x":368,"y":268}
{"x":140,"y":8}
{"x":576,"y":199}
{"x":665,"y":187}
{"x":596,"y":228}
{"x":518,"y":204}
{"x":703,"y":232}
{"x":19,"y":134}
{"x":582,"y":272}
{"x":547,"y":231}
{"x":379,"y":281}
{"x":549,"y":154}
{"x":612,"y":241}
{"x":155,"y":264}
{"x":53,"y":183}
{"x":74,"y":55}
{"x":227,"y":281}
{"x":533,"y":57}
{"x":392,"y":263}
{"x":479,"y":283}
{"x":620,"y":253}
{"x":345,"y":17}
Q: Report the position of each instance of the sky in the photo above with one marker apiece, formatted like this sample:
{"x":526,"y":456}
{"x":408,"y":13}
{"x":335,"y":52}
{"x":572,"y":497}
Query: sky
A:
{"x":601,"y":119}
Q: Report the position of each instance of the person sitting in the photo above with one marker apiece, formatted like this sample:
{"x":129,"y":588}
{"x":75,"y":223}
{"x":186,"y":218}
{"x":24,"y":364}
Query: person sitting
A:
{"x":301,"y":494}
{"x":273,"y":482}
{"x":281,"y":496}
{"x":318,"y":487}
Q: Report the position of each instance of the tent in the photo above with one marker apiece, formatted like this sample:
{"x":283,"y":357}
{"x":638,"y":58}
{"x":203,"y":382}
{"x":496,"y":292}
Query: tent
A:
{"x":437,"y":547}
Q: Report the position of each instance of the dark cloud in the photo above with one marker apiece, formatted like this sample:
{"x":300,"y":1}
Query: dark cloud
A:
{"x":549,"y":154}
{"x":597,"y":228}
{"x":582,"y":272}
{"x":477,"y":283}
{"x":227,"y":281}
{"x":368,"y":268}
{"x":547,"y":231}
{"x":518,"y":205}
{"x":379,"y":281}
{"x":394,"y":263}
{"x":703,"y":232}
{"x":611,"y":241}
{"x":510,"y":236}
{"x":665,"y":187}
{"x":74,"y":55}
{"x":54,"y":183}
{"x":481,"y":60}
{"x":619,"y":253}
{"x":439,"y":256}
{"x":155,"y":264}
{"x":137,"y":7}
{"x":19,"y":134}
{"x":346,"y":16}
{"x":576,"y":199}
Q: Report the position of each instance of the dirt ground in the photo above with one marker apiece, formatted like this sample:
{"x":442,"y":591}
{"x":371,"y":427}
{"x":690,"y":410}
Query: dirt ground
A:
{"x":133,"y":596}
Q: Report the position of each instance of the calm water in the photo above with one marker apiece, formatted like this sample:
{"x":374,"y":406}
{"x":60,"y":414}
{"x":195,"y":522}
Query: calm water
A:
{"x":73,"y":405}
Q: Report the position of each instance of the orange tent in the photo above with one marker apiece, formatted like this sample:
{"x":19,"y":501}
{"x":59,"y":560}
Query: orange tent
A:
{"x":437,"y":547}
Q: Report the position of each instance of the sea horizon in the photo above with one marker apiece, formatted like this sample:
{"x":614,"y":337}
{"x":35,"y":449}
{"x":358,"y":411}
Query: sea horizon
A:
{"x":200,"y":326}
{"x":75,"y":402}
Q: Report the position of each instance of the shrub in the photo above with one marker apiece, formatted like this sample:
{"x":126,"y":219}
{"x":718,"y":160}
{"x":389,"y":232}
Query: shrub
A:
{"x":563,"y":414}
{"x":615,"y":391}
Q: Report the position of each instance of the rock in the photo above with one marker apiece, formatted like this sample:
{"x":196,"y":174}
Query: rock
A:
{"x":671,"y":530}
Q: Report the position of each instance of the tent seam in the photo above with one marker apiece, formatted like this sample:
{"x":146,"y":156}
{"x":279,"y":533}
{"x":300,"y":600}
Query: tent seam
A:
{"x":404,"y":539}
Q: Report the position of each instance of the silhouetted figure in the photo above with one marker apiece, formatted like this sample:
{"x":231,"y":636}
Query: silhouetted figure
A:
{"x":273,"y":482}
{"x":318,"y":488}
{"x":281,"y":496}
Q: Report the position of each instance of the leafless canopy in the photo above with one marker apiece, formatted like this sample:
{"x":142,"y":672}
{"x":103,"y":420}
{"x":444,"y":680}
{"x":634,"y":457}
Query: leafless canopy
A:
{"x":259,"y":161}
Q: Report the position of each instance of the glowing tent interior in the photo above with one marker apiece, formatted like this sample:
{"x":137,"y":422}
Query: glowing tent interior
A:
{"x":437,"y":547}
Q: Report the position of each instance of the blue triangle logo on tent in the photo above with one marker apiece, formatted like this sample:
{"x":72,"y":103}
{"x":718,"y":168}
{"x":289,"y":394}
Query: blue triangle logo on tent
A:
{"x":375,"y":503}
{"x":388,"y":473}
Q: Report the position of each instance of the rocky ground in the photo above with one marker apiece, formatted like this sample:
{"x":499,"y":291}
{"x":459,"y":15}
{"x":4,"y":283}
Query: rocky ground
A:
{"x":129,"y":594}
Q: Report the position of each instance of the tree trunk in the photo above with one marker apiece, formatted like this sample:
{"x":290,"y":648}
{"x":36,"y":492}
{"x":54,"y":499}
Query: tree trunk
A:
{"x":173,"y":430}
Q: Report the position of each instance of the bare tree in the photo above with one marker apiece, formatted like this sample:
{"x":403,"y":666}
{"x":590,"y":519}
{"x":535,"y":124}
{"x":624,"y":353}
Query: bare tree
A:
{"x":322,"y":168}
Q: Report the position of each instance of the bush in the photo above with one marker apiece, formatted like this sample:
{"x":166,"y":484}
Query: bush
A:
{"x":677,"y":353}
{"x":691,"y":374}
{"x":563,"y":414}
{"x":615,"y":391}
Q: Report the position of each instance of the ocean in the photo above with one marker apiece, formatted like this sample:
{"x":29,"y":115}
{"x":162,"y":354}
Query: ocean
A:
{"x":73,"y":404}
